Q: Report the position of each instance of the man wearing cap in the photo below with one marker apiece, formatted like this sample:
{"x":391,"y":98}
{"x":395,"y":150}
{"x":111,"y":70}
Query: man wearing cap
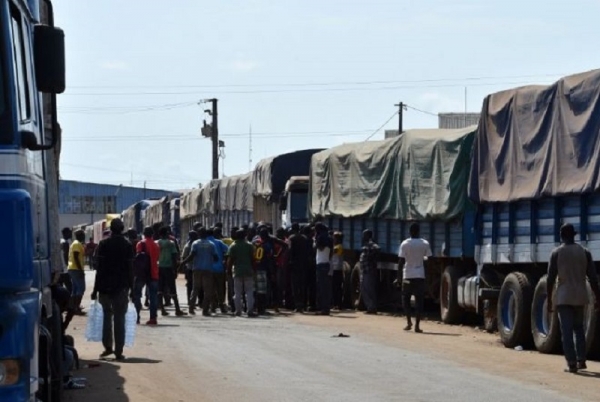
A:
{"x":114,"y":281}
{"x":570,"y":265}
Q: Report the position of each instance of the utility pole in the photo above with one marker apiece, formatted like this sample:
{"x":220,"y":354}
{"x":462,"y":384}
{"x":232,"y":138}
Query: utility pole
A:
{"x":212,"y":131}
{"x":401,"y":108}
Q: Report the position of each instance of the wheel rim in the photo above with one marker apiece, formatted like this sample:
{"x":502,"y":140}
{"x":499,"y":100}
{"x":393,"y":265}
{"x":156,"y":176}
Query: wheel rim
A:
{"x":543,"y":320}
{"x":509,"y":311}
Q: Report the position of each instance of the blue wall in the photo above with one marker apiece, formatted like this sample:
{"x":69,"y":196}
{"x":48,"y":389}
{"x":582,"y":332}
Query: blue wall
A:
{"x":77,"y":197}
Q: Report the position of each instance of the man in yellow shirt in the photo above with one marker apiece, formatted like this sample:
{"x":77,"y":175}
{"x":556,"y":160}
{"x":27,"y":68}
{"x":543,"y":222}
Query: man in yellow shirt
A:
{"x":75,"y":269}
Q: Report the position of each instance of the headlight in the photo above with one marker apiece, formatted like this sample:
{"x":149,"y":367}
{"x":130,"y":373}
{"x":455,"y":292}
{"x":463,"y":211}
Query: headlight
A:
{"x":9,"y":372}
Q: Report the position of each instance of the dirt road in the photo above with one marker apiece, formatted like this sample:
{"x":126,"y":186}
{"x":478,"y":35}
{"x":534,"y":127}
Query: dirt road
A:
{"x":296,"y":358}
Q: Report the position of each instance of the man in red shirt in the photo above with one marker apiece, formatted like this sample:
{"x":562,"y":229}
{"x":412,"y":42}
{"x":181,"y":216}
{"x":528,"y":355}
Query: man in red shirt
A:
{"x":150,"y":248}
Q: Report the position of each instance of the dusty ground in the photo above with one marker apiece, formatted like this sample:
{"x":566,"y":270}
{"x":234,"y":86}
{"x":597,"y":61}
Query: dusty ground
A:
{"x":295,"y":358}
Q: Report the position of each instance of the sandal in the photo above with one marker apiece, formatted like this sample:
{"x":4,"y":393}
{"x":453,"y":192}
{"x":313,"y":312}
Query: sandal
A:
{"x":73,"y":385}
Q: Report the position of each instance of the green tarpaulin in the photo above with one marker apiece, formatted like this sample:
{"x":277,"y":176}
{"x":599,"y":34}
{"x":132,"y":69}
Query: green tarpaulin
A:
{"x":421,"y":175}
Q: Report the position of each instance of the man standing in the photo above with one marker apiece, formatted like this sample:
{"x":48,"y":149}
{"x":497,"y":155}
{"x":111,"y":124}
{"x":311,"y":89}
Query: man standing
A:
{"x":263,"y":258}
{"x":368,"y":270}
{"x":570,"y":264}
{"x":337,"y":265}
{"x":189,"y":278}
{"x":218,"y":271}
{"x":298,"y":262}
{"x":90,"y":247}
{"x":114,"y":281}
{"x":167,"y":268}
{"x":412,"y":256}
{"x":324,"y":247}
{"x":239,"y":263}
{"x":203,"y":254}
{"x":76,"y":272}
{"x":148,"y":279}
{"x":65,"y":246}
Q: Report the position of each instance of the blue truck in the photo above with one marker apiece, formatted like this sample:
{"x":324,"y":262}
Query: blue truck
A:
{"x":534,"y":167}
{"x":32,"y":74}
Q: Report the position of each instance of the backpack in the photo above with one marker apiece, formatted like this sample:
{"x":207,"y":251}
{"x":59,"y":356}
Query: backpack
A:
{"x":142,"y":264}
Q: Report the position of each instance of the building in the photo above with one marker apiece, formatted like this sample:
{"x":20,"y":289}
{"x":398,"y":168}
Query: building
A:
{"x":83,"y":203}
{"x":457,"y":120}
{"x":448,"y":120}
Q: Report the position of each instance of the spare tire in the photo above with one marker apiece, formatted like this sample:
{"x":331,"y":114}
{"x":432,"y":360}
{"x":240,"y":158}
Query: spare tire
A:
{"x":545,"y":327}
{"x":514,"y":310}
{"x":450,"y":311}
{"x":592,"y":325}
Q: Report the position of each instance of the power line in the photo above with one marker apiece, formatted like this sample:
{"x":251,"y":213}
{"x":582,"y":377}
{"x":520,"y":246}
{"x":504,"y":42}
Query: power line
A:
{"x":305,"y":90}
{"x":244,"y":136}
{"x":330,"y":83}
{"x":422,"y":111}
{"x":383,"y":125}
{"x":109,"y":169}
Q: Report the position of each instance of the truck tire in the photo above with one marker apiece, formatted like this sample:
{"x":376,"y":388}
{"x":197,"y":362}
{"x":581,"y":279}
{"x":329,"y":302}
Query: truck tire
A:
{"x":355,"y":283}
{"x":450,"y":311}
{"x":514,"y":310}
{"x":44,"y":393}
{"x":592,"y":326}
{"x":545,"y":328}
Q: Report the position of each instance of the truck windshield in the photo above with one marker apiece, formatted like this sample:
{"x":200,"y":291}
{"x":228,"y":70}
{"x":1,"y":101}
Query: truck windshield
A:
{"x":298,"y":206}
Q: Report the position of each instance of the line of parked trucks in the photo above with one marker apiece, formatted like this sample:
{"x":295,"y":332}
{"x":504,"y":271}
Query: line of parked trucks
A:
{"x":490,"y":200}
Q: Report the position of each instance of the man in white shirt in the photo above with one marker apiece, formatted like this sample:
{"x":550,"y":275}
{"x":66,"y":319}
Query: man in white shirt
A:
{"x":412,"y":255}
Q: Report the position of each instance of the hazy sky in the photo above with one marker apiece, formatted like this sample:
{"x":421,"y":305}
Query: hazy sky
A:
{"x":303,"y":74}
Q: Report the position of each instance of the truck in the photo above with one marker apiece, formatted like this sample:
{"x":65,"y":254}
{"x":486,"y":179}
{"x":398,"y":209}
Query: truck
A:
{"x":164,"y":212}
{"x":251,"y":197}
{"x":534,"y":168}
{"x":293,"y":202}
{"x":101,"y":225}
{"x":133,"y":216}
{"x":270,"y":177}
{"x":420,"y":176}
{"x":33,"y":73}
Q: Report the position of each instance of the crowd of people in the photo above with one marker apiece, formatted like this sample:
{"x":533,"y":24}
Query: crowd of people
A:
{"x":300,"y":269}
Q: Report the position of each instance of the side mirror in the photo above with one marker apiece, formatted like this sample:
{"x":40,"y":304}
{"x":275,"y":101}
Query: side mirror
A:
{"x":49,"y":59}
{"x":283,"y":202}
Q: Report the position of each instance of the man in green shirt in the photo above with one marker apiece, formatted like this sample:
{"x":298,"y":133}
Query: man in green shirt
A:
{"x":239,"y":261}
{"x":167,"y":271}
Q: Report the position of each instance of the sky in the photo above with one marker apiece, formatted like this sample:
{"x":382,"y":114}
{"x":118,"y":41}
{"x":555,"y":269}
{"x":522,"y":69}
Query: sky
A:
{"x":298,"y":74}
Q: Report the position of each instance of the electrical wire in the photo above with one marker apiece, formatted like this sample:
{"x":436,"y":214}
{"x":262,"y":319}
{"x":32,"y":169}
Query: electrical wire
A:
{"x":331,"y":83}
{"x":383,"y":125}
{"x":422,"y":111}
{"x":301,"y":90}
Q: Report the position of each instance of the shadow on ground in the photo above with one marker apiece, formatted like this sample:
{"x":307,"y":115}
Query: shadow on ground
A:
{"x":104,"y":383}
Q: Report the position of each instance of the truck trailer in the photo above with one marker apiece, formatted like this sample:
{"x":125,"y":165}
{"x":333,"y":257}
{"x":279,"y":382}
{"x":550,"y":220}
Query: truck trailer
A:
{"x":33,"y":73}
{"x":256,"y":196}
{"x":386,"y":185}
{"x":534,"y":167}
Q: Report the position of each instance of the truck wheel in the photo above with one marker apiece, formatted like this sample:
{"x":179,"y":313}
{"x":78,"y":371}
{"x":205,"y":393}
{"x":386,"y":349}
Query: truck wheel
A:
{"x":355,"y":283}
{"x":592,"y":326}
{"x":44,"y":393}
{"x":514,"y":310}
{"x":545,"y":327}
{"x":449,"y":309}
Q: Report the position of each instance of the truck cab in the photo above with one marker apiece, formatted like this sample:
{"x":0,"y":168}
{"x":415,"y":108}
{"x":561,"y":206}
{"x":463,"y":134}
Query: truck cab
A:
{"x":293,"y":204}
{"x":31,"y":72}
